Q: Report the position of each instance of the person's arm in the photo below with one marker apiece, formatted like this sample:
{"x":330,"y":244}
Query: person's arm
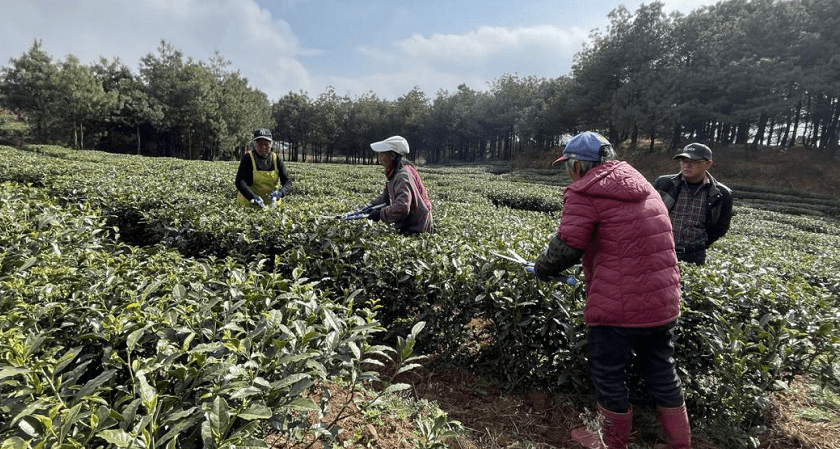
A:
{"x":244,"y":178}
{"x":721,"y":227}
{"x":382,"y":198}
{"x":664,"y":185}
{"x":555,"y":258}
{"x":403,"y":196}
{"x":284,"y":183}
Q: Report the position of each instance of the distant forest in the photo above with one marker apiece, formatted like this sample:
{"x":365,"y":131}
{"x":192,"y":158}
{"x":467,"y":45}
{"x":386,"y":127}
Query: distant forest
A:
{"x":754,"y":73}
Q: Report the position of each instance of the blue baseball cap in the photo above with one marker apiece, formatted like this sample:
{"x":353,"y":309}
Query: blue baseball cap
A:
{"x":585,"y":146}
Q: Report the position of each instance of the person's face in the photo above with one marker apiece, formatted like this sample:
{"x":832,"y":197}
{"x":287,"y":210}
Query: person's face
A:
{"x":386,"y":159}
{"x":573,"y":170}
{"x":694,"y":171}
{"x":263,"y":147}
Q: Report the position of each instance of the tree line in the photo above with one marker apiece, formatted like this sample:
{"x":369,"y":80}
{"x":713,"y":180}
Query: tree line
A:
{"x":760,"y":72}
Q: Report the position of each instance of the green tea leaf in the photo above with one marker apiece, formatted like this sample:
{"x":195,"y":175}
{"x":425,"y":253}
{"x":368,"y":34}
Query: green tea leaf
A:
{"x":256,"y":411}
{"x":119,"y":438}
{"x":219,"y":417}
{"x":95,"y":383}
{"x":303,"y":404}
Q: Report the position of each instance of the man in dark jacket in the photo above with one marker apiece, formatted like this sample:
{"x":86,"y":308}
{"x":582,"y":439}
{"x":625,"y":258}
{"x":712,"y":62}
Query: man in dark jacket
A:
{"x":700,"y":207}
{"x":614,"y":221}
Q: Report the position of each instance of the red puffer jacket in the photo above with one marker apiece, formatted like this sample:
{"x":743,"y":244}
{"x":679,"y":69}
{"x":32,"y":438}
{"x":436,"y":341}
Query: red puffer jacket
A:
{"x":632,"y":278}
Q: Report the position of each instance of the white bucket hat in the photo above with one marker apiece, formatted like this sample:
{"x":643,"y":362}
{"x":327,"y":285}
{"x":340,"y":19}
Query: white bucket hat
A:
{"x":396,"y":144}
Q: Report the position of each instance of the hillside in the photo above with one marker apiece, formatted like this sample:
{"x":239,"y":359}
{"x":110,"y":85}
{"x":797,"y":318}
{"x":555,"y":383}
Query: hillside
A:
{"x":794,"y":169}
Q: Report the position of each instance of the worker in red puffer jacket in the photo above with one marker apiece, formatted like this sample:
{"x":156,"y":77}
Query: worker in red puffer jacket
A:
{"x":615,"y":221}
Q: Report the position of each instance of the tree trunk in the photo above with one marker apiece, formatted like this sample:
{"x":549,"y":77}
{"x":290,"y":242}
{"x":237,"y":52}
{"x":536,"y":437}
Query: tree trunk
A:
{"x":742,"y":134}
{"x":795,"y":130}
{"x":829,"y":139}
{"x":676,"y":138}
{"x":762,"y":128}
{"x":652,"y":140}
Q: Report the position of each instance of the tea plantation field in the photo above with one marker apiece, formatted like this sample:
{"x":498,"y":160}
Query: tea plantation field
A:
{"x":141,"y":307}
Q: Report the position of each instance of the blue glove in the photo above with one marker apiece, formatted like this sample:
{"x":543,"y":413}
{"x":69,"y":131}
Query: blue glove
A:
{"x":258,"y":202}
{"x":529,"y":268}
{"x":375,"y":215}
{"x":275,"y":195}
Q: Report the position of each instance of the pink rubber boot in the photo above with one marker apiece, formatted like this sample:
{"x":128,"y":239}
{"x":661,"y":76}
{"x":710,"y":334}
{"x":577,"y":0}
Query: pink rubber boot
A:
{"x":615,"y":430}
{"x":675,"y":422}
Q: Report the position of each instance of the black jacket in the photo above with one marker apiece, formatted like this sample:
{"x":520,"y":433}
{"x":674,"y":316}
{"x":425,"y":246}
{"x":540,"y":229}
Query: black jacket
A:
{"x":719,"y":203}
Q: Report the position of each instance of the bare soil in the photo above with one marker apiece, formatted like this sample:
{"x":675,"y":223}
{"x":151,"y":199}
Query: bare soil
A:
{"x":539,"y":421}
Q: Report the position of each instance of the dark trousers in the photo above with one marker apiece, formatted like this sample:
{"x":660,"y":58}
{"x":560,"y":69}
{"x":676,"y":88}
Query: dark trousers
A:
{"x":611,"y":350}
{"x":696,"y":257}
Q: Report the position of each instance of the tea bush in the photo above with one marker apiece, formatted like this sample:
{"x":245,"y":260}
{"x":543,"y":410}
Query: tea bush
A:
{"x":106,"y":344}
{"x":762,"y":310}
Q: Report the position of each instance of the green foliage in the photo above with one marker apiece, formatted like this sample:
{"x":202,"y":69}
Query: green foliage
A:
{"x":208,"y":281}
{"x":12,"y":130}
{"x":29,"y":86}
{"x":108,"y":344}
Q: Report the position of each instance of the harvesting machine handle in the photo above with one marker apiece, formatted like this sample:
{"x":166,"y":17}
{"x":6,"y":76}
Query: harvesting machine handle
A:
{"x":357,"y":215}
{"x":529,"y":268}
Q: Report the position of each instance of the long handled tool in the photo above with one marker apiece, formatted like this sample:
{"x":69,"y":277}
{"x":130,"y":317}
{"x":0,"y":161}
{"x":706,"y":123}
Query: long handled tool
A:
{"x":529,"y":266}
{"x":357,"y":215}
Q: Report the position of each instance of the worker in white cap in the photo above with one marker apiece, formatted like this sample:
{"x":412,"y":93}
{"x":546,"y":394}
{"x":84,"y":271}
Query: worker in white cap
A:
{"x":407,"y":204}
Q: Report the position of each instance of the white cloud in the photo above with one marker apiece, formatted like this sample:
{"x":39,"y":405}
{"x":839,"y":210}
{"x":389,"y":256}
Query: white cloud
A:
{"x":487,"y":41}
{"x":265,"y":49}
{"x":261,"y":47}
{"x":475,"y":58}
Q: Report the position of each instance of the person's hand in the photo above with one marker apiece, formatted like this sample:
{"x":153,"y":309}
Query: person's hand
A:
{"x":375,"y":215}
{"x":366,"y":209}
{"x":275,"y":195}
{"x":258,"y":202}
{"x":529,"y":268}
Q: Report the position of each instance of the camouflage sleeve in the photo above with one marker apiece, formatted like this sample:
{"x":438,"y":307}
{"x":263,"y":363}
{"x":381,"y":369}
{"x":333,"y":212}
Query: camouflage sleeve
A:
{"x":556,"y":257}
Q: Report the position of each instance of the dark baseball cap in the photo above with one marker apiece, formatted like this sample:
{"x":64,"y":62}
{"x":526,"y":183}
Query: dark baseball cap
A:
{"x":262,"y":133}
{"x":695,"y":152}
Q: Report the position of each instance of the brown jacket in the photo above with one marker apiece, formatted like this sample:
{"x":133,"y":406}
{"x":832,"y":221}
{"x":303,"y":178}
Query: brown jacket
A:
{"x":408,"y":204}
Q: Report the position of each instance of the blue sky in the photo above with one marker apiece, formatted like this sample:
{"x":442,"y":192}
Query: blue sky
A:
{"x":354,"y":46}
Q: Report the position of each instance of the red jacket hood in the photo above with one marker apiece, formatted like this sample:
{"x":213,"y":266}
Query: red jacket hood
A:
{"x":613,"y":180}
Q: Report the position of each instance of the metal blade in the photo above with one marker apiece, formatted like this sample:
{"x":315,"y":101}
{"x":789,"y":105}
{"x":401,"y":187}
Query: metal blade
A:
{"x":508,"y":258}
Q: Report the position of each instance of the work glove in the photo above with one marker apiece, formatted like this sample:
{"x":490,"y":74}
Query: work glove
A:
{"x":375,"y":215}
{"x":529,"y":268}
{"x":276,"y":195}
{"x":258,"y":202}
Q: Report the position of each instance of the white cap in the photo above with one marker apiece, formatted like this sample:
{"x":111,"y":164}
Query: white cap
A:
{"x":396,"y":144}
